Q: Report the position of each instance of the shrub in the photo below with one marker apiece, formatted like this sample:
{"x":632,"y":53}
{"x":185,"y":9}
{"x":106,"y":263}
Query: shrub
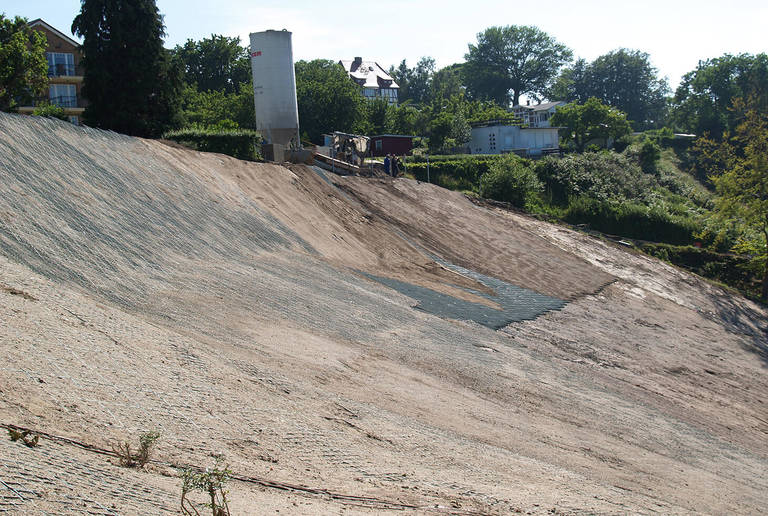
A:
{"x":730,"y":269}
{"x":632,"y":220}
{"x":238,"y":143}
{"x":600,"y":175}
{"x":649,"y":157}
{"x":510,"y":179}
{"x":457,"y":172}
{"x":212,"y":482}
{"x":27,"y":437}
{"x":129,"y":459}
{"x":50,"y":111}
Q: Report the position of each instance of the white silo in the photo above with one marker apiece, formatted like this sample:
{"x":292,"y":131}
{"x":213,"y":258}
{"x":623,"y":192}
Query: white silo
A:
{"x":274,"y":86}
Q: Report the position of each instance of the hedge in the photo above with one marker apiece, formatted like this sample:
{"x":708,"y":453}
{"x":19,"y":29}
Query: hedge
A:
{"x":238,"y":143}
{"x":730,"y":269}
{"x":457,"y":172}
{"x":632,"y":220}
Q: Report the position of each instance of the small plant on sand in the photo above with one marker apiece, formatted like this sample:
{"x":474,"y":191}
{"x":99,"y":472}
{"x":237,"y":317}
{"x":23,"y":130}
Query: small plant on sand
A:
{"x":26,"y":437}
{"x":128,"y":458}
{"x":212,"y":482}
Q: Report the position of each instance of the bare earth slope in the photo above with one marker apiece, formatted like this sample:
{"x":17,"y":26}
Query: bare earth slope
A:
{"x":335,"y":337}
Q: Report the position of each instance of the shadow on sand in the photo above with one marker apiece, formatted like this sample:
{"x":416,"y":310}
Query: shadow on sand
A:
{"x":738,"y":317}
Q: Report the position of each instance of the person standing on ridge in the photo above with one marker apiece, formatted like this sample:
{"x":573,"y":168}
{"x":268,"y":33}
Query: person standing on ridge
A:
{"x":387,"y":165}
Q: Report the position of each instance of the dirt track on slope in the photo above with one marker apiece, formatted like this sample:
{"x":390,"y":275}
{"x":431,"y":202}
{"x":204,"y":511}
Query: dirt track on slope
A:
{"x":143,"y":286}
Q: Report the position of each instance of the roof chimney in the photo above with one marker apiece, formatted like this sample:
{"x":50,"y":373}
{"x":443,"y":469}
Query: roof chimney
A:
{"x":358,"y":61}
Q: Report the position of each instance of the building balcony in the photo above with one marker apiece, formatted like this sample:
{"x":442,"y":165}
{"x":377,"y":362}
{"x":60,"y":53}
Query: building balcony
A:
{"x":71,"y":104}
{"x":65,"y":73}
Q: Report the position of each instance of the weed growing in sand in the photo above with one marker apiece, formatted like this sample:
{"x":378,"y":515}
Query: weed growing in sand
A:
{"x":212,"y":482}
{"x":129,"y":459}
{"x":26,"y":437}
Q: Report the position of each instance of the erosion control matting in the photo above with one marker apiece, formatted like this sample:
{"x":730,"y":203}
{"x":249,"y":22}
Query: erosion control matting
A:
{"x":232,"y":307}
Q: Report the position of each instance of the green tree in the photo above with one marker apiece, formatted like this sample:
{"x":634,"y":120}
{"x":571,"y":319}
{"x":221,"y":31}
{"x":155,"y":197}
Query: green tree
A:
{"x":328,"y":100}
{"x":624,"y":79}
{"x":406,"y":119}
{"x":703,"y":100}
{"x":592,"y":120}
{"x":743,"y":185}
{"x":216,"y":108}
{"x":447,"y":82}
{"x":440,"y":128}
{"x":132,"y":84}
{"x":379,"y":113}
{"x":572,"y":85}
{"x":23,"y":67}
{"x":415,"y":83}
{"x":217,"y":63}
{"x":511,"y":61}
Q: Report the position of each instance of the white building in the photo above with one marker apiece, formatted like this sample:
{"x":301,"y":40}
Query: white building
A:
{"x":501,"y":138}
{"x":537,"y":115}
{"x":372,"y":78}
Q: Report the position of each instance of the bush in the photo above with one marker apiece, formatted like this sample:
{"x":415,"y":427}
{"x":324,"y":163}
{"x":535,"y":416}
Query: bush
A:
{"x":601,"y":175}
{"x":50,"y":111}
{"x":730,"y":269}
{"x":649,"y":157}
{"x":632,"y":220}
{"x":510,"y":179}
{"x":212,"y":482}
{"x":129,"y":459}
{"x":456,"y":172}
{"x":239,"y":143}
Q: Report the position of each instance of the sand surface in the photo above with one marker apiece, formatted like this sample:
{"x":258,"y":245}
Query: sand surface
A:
{"x":230,"y":305}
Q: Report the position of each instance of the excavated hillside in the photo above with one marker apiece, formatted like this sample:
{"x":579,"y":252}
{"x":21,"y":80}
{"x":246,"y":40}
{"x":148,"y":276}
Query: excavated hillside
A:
{"x":350,"y":344}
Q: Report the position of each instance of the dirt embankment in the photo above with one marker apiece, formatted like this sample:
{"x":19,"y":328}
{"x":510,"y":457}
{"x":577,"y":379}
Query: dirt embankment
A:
{"x":230,"y":305}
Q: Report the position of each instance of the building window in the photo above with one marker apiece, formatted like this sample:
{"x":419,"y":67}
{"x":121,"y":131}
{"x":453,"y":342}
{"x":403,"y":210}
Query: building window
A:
{"x":378,"y":145}
{"x":369,"y":93}
{"x":60,"y":64}
{"x":63,"y":95}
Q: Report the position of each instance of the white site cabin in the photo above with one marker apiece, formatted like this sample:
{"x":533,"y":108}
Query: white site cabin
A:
{"x":534,"y":138}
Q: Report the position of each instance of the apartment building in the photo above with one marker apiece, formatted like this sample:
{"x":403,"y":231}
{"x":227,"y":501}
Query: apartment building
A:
{"x":64,"y":72}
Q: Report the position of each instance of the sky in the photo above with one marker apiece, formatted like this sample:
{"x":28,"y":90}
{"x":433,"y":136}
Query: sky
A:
{"x":675,"y":33}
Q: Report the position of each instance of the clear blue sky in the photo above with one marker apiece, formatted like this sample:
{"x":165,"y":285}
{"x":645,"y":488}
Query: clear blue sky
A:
{"x":676,"y":33}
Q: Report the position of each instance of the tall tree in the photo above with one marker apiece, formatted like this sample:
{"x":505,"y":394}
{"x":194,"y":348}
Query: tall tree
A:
{"x":131,"y":82}
{"x":589,"y":121}
{"x":572,"y":85}
{"x":511,"y":61}
{"x":447,"y":82}
{"x":743,"y":185}
{"x":217,"y":63}
{"x":624,"y":79}
{"x":328,"y":100}
{"x":414,"y":82}
{"x":703,"y":101}
{"x":23,"y":67}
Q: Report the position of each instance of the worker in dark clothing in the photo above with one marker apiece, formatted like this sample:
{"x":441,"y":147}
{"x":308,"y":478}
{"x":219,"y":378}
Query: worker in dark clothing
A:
{"x":395,"y":166}
{"x":388,"y":165}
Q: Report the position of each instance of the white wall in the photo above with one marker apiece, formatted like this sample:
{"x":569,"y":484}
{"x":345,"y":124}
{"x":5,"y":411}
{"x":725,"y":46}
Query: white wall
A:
{"x":506,"y":138}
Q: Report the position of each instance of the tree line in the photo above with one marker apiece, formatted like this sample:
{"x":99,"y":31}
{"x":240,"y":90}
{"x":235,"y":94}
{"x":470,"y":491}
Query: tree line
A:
{"x":136,"y":86}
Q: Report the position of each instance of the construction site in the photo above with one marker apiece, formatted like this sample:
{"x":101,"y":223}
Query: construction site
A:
{"x":350,"y":345}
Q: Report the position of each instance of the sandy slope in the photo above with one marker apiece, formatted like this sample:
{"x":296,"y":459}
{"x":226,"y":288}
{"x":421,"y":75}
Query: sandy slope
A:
{"x":222,"y":302}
